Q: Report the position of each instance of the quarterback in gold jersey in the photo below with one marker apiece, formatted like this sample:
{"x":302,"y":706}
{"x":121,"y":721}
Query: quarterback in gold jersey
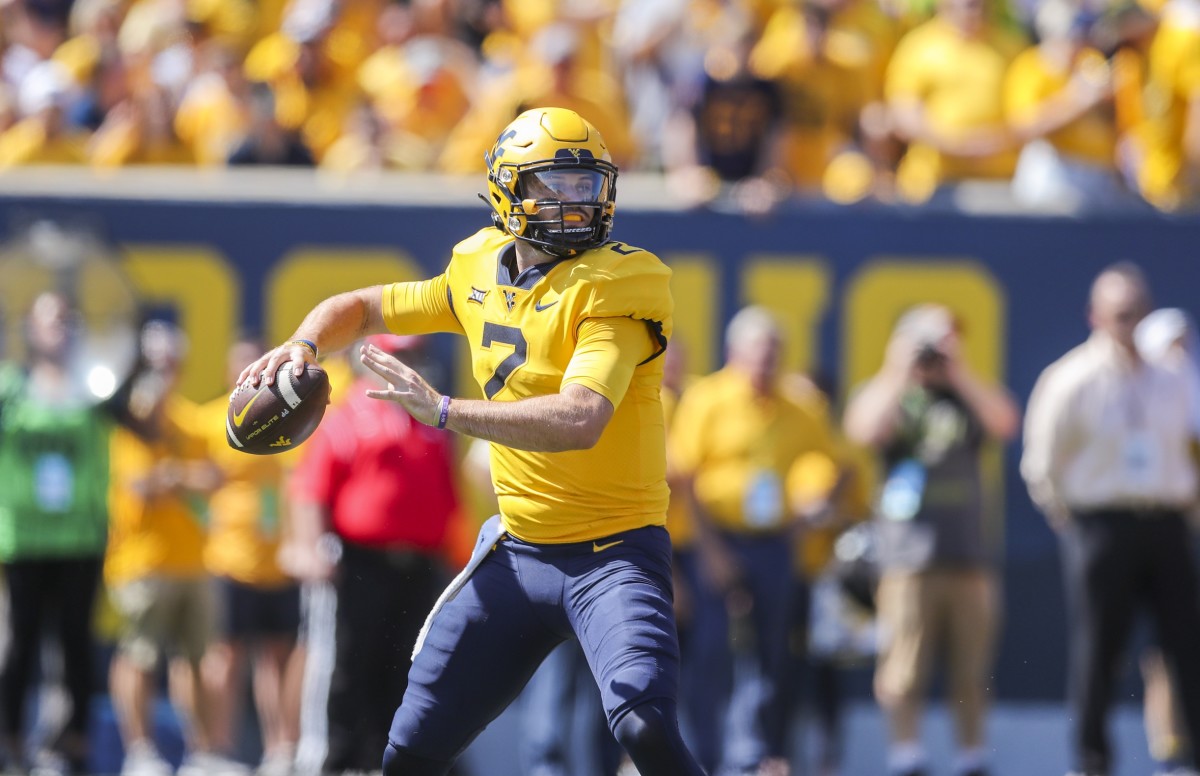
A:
{"x":565,"y":328}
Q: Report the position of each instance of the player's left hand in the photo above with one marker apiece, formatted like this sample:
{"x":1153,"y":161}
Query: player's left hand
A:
{"x":405,"y":386}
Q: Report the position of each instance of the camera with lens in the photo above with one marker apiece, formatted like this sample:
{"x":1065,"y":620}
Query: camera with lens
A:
{"x":929,"y":356}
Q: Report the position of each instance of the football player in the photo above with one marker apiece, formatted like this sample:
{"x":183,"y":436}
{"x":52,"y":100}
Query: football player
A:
{"x":565,"y":327}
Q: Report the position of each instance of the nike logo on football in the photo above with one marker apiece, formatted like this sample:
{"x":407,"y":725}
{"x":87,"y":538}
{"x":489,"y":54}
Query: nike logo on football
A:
{"x":603,"y":547}
{"x":239,"y":417}
{"x":539,"y":306}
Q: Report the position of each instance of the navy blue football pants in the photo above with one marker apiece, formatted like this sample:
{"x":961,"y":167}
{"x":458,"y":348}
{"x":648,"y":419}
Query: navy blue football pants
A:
{"x":613,"y":595}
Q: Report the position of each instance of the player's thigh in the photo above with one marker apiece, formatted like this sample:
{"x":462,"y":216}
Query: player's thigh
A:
{"x":481,"y":650}
{"x":621,"y":609}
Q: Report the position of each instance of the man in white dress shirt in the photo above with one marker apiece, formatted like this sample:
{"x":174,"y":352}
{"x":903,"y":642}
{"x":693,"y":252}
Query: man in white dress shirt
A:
{"x":1108,"y":459}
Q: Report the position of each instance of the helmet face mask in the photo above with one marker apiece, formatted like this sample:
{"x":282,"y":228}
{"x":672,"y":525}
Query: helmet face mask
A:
{"x":564,"y":205}
{"x":550,"y":182}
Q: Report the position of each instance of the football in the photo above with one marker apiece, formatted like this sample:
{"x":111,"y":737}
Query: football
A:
{"x":276,"y":418}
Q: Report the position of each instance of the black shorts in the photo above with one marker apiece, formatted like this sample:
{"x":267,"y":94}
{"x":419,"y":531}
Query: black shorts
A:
{"x":248,"y":611}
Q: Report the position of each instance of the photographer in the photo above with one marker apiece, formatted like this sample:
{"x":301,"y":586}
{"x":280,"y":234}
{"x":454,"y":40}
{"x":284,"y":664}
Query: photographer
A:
{"x":928,"y":416}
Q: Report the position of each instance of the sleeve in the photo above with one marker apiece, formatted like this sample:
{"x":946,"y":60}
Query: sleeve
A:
{"x":1021,"y":93}
{"x":421,"y":307}
{"x":1046,"y":423}
{"x":1187,"y":76}
{"x":904,"y":79}
{"x":608,"y":352}
{"x":640,"y":288}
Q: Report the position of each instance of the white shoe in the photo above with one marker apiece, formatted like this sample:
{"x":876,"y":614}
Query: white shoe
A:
{"x":209,"y":764}
{"x":142,"y":759}
{"x":281,"y":764}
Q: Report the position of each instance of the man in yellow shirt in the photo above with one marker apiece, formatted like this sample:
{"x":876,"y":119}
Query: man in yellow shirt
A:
{"x":154,"y":566}
{"x":735,"y":437}
{"x":258,"y":605}
{"x":945,"y":90}
{"x":1058,"y":98}
{"x":565,"y":328}
{"x":1163,"y":150}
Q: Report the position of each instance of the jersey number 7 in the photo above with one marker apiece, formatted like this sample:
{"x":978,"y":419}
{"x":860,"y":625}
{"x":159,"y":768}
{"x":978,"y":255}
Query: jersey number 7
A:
{"x":508,"y":335}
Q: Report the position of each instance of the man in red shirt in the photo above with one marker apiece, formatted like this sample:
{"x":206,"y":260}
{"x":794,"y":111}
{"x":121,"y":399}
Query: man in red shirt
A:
{"x":374,"y":494}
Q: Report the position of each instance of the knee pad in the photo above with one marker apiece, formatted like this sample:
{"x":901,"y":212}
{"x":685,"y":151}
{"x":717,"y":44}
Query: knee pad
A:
{"x":399,"y":761}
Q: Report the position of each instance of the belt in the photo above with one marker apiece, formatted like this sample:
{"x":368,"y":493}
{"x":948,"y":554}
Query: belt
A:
{"x":1141,"y":510}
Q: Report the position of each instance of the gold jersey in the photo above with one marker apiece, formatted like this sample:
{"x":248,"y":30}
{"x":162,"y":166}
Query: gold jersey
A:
{"x":531,"y":335}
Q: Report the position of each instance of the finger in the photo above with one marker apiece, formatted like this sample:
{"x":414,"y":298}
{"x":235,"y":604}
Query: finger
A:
{"x":388,"y":395}
{"x":383,"y":370}
{"x":254,"y":372}
{"x":245,"y":375}
{"x":271,"y":367}
{"x":300,"y":358}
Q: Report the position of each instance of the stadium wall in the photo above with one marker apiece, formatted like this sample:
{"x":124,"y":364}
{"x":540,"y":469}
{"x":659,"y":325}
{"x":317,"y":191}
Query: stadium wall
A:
{"x":837,"y":276}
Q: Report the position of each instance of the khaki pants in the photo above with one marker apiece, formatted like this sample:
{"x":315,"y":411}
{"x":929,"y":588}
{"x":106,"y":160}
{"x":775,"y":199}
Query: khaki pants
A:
{"x":163,"y":614}
{"x":931,"y":614}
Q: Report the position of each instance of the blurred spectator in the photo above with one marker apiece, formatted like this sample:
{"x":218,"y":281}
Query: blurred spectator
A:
{"x":212,"y":113}
{"x":266,"y":142}
{"x":364,"y":146}
{"x":154,"y":568}
{"x":1167,"y":337}
{"x":31,"y":38}
{"x":658,"y":45}
{"x":1108,"y":459}
{"x":945,"y":89}
{"x":53,"y":525}
{"x":927,"y":416}
{"x":561,"y":700}
{"x":553,"y":73}
{"x":1162,"y":154}
{"x":258,"y":605}
{"x":727,"y":141}
{"x":42,"y":137}
{"x":826,"y":635}
{"x":138,"y":131}
{"x":374,"y":496}
{"x":419,"y":81}
{"x":734,"y":439}
{"x":311,"y":64}
{"x":828,"y":57}
{"x":1059,"y":102}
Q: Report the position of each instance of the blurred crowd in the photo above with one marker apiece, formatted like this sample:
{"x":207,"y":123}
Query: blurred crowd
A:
{"x":807,"y":541}
{"x":740,"y":103}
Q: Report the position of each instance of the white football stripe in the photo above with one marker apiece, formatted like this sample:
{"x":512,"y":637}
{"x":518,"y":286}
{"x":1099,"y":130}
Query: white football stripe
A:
{"x":231,"y":433}
{"x":284,"y":378}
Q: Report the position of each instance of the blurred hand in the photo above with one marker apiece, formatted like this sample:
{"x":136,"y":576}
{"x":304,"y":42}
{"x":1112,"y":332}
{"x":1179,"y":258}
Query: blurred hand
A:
{"x":719,"y":566}
{"x":979,"y":143}
{"x":305,"y":562}
{"x":756,"y":196}
{"x":901,"y":355}
{"x":1090,"y":87}
{"x":405,"y":386}
{"x":263,"y":370}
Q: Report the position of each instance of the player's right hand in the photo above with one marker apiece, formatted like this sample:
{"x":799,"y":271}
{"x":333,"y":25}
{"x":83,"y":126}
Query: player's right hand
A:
{"x":264,"y":369}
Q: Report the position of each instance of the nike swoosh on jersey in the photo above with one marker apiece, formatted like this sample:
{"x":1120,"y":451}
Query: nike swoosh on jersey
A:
{"x":603,"y":547}
{"x":539,"y":306}
{"x":239,"y":417}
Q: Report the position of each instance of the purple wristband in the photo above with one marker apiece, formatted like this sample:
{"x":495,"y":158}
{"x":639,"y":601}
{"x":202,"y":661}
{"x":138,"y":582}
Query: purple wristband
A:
{"x":443,"y":411}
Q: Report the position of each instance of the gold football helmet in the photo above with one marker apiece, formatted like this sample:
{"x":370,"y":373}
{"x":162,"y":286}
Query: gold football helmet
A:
{"x":551,"y":182}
